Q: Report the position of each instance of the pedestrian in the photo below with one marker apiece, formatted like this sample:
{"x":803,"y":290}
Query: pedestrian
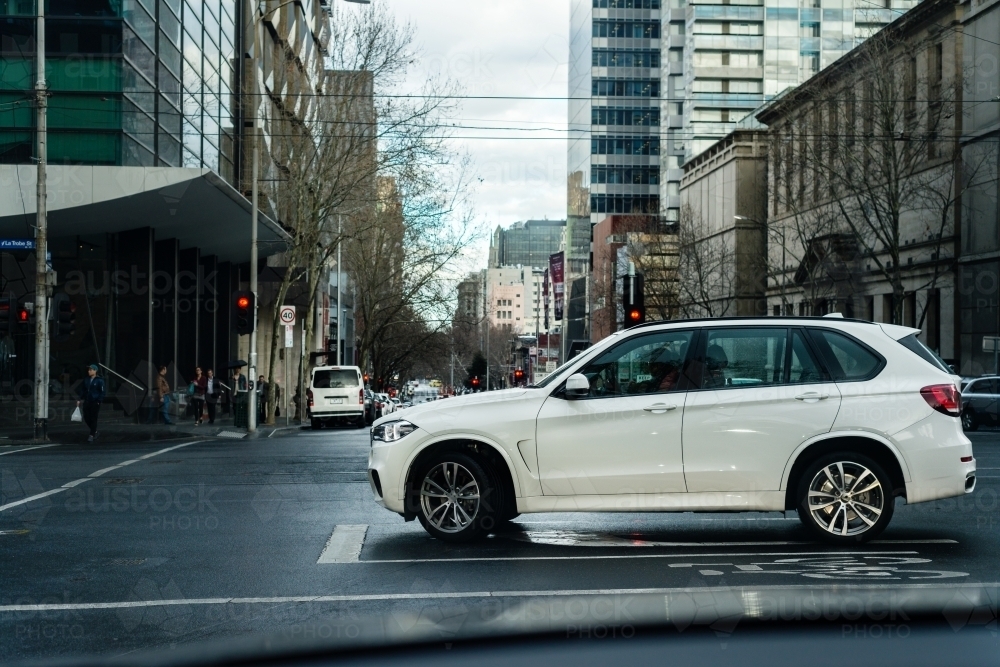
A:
{"x":91,"y":394}
{"x":160,"y":399}
{"x":261,"y":400}
{"x":213,"y":392}
{"x":277,"y":399}
{"x":197,"y":393}
{"x":240,"y":400}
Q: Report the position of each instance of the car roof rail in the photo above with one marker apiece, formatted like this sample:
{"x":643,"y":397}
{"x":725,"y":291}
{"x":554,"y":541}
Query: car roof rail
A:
{"x":744,"y":318}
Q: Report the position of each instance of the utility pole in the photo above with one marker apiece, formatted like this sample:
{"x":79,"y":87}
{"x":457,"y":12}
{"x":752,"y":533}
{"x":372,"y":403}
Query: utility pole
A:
{"x":41,"y":242}
{"x":340,"y":309}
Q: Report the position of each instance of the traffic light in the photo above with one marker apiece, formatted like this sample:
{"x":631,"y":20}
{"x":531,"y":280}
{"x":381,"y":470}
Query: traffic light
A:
{"x":25,"y":319}
{"x":243,"y":312}
{"x":65,"y":316}
{"x":518,"y":376}
{"x":633,"y":302}
{"x":475,"y":382}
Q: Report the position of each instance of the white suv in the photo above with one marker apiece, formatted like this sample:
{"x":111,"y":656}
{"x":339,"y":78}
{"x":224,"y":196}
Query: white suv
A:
{"x":336,"y":393}
{"x":830,"y":417}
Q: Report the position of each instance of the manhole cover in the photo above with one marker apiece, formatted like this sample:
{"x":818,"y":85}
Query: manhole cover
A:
{"x":127,"y":561}
{"x":230,"y":434}
{"x":124,"y":480}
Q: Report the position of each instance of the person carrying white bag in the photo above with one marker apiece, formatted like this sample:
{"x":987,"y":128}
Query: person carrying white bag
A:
{"x":91,"y":393}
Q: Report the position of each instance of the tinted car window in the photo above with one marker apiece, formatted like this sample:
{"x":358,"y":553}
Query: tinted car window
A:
{"x":846,"y":358}
{"x":804,"y":367}
{"x":913,"y":344}
{"x":744,"y":357}
{"x":335,"y":379}
{"x":640,"y":365}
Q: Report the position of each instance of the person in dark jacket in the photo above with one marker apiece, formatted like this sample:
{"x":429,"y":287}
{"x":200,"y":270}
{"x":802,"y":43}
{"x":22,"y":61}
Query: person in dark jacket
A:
{"x":91,"y":394}
{"x":213,"y":392}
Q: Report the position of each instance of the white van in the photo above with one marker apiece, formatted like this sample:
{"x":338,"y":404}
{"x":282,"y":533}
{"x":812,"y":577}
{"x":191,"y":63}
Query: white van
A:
{"x":336,"y":392}
{"x":423,"y":394}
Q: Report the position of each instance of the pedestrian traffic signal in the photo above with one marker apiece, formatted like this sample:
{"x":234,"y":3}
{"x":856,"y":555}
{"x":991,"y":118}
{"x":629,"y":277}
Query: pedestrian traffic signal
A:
{"x":65,"y":316}
{"x":633,"y":301}
{"x":25,"y":319}
{"x":243,"y":312}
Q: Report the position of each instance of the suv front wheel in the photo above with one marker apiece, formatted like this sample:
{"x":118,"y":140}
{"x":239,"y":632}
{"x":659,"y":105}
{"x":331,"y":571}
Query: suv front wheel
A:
{"x":845,"y":498}
{"x":456,"y":497}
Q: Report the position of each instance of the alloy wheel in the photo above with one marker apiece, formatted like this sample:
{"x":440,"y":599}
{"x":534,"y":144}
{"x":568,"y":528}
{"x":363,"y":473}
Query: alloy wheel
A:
{"x":845,"y":498}
{"x":449,"y":497}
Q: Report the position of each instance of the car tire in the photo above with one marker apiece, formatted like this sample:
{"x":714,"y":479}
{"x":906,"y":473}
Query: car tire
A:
{"x":360,"y":422}
{"x":315,"y":424}
{"x":834,"y":509}
{"x":453,"y":492}
{"x":969,"y":421}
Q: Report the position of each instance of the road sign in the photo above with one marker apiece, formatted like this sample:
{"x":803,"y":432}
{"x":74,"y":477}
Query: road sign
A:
{"x":550,"y":366}
{"x":287,"y":315}
{"x":289,"y":334}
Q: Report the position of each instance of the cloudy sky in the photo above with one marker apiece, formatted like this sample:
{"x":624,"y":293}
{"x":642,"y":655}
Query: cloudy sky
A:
{"x":509,"y":48}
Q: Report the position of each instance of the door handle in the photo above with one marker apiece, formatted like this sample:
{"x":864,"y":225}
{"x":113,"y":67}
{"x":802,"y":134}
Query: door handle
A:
{"x":811,"y":396}
{"x":659,"y":408}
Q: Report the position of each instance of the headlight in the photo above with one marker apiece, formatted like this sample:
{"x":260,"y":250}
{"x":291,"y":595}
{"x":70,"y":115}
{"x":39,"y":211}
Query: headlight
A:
{"x":392,"y":431}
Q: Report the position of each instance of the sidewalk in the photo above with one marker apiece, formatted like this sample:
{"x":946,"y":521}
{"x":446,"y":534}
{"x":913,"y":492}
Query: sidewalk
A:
{"x":117,"y":432}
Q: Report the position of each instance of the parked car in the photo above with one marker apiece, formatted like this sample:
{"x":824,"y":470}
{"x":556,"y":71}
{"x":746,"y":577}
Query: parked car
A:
{"x":712,"y":415}
{"x":385,"y":406}
{"x":980,"y":398}
{"x":335,"y":393}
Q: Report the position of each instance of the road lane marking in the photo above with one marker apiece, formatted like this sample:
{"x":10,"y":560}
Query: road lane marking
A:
{"x":344,"y":545}
{"x":607,"y":539}
{"x":131,"y":604}
{"x":75,"y":482}
{"x":627,"y":556}
{"x":29,"y":448}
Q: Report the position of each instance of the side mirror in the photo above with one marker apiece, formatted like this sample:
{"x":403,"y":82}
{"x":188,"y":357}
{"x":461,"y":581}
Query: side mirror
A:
{"x":577,"y":386}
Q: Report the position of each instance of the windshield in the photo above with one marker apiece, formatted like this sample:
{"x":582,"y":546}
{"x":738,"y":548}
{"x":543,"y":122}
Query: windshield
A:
{"x":335,"y":379}
{"x":340,"y":211}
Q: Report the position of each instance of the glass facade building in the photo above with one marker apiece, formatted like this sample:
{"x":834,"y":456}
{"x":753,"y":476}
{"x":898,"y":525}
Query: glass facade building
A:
{"x":527,"y":243}
{"x":653,"y":83}
{"x":132,"y":82}
{"x":741,"y":53}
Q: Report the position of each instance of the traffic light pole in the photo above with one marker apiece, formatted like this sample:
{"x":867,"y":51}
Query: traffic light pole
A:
{"x":252,"y":371}
{"x":41,"y":243}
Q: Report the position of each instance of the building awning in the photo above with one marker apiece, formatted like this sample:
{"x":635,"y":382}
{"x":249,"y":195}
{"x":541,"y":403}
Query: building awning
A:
{"x":195,"y":206}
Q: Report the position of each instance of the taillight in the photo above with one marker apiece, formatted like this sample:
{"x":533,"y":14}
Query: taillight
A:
{"x":945,"y":398}
{"x":309,"y":395}
{"x":361,"y":397}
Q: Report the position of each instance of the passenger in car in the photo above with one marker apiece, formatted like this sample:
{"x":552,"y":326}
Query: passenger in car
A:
{"x":716,"y":362}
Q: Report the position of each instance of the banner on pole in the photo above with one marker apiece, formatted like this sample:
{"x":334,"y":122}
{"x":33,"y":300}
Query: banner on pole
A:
{"x":556,"y":273}
{"x":289,"y":335}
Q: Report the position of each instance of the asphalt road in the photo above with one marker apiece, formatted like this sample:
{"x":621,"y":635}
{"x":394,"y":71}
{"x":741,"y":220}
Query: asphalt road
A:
{"x":154,"y":545}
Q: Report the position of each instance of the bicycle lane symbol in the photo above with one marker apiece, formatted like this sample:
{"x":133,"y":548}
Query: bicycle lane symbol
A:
{"x":835,"y":567}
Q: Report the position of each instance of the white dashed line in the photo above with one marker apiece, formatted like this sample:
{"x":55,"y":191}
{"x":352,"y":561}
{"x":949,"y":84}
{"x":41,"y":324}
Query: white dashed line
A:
{"x":29,"y":448}
{"x":344,"y":545}
{"x":76,"y":482}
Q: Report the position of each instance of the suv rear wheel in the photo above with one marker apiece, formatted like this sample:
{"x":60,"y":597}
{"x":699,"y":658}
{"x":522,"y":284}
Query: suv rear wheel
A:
{"x":455,"y":493}
{"x":845,"y":498}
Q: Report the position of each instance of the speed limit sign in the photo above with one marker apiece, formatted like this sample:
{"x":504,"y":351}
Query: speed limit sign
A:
{"x":287,"y":315}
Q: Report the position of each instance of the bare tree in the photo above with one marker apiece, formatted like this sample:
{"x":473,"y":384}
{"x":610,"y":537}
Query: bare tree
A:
{"x":877,"y":161}
{"x":706,"y":267}
{"x":325,"y":168}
